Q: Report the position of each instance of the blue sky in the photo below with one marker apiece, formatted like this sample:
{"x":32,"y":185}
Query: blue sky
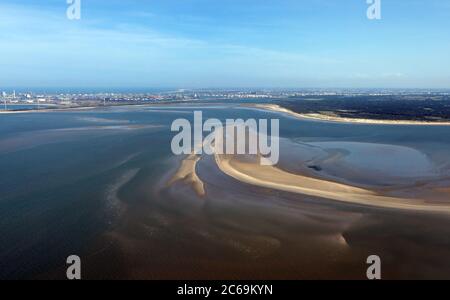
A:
{"x":225,"y":43}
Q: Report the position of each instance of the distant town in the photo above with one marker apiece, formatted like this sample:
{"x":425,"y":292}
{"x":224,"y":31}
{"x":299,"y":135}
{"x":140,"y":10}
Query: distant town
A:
{"x":13,"y":100}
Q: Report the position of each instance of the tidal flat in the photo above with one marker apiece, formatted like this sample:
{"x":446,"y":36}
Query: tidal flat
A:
{"x":99,"y":183}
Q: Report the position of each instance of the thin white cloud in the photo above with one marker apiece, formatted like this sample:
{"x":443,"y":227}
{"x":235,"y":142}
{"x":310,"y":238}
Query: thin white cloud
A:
{"x":51,"y":49}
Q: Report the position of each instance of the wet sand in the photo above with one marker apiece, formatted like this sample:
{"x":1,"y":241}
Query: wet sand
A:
{"x":244,"y":231}
{"x":287,"y":225}
{"x":247,"y":169}
{"x":187,"y":174}
{"x":274,"y":178}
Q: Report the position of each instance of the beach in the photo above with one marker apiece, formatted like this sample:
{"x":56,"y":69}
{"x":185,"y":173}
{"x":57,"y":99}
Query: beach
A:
{"x":327,"y":118}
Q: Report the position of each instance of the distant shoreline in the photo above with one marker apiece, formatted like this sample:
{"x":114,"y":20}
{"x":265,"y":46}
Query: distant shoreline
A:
{"x":322,"y":117}
{"x":59,"y":109}
{"x":267,"y":107}
{"x":44,"y":110}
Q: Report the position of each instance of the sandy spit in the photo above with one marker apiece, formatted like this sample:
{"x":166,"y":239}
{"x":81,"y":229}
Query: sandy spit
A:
{"x":321,"y":117}
{"x":275,"y":178}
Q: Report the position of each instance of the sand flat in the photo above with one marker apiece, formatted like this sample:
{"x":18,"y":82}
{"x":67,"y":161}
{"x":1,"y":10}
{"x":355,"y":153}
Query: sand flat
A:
{"x":186,"y":173}
{"x":275,"y":178}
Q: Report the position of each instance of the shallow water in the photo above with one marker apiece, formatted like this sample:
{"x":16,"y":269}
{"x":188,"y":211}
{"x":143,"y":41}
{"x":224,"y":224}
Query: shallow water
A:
{"x":92,"y":183}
